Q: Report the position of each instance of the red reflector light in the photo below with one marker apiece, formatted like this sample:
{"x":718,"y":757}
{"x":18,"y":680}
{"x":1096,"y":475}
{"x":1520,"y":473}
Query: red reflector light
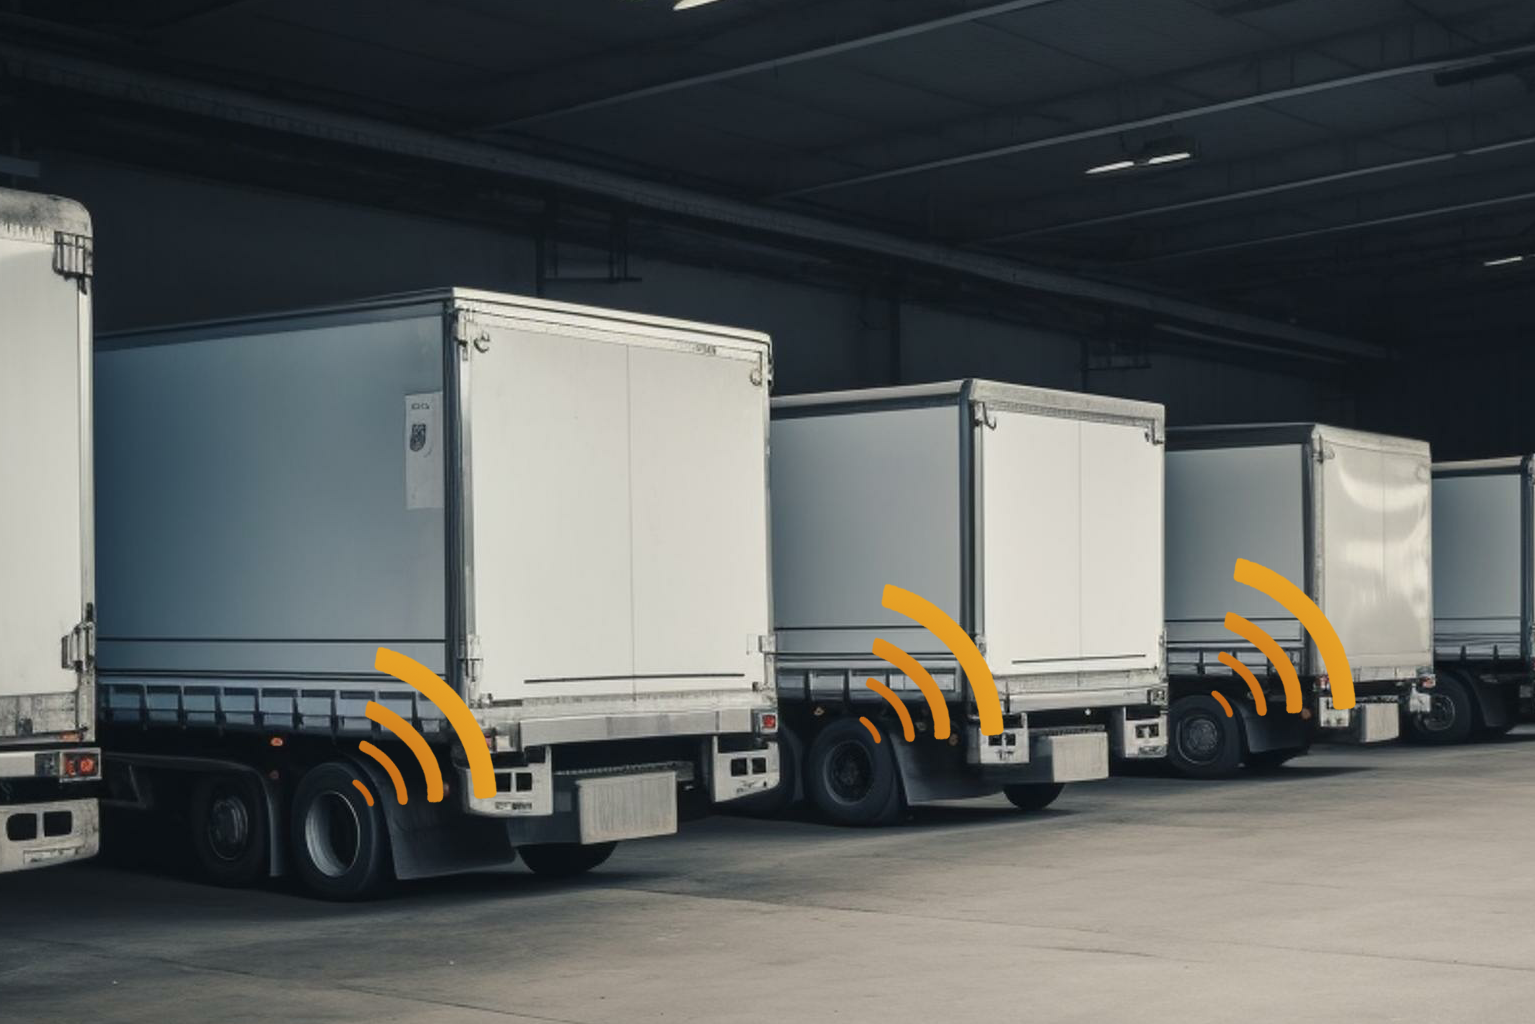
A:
{"x":769,"y":721}
{"x":80,"y":766}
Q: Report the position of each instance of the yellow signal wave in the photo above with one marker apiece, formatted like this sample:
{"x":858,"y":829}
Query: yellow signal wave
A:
{"x":987,"y":704}
{"x":924,"y":680}
{"x":907,"y":729}
{"x":1271,"y":649}
{"x":1252,"y":684}
{"x":1303,"y":608}
{"x":426,"y":682}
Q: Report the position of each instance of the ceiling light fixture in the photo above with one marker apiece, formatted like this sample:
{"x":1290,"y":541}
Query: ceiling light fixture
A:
{"x":1117,"y":165}
{"x":682,"y":5}
{"x":1156,"y":153}
{"x":1503,"y":261}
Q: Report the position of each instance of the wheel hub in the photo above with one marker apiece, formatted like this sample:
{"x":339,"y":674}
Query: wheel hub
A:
{"x":1440,"y":715}
{"x":1199,"y":739}
{"x":229,"y":827}
{"x":849,"y":772}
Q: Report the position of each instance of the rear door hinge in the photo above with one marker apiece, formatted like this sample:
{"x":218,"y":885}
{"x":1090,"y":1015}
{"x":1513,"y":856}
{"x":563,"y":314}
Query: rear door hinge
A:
{"x":73,"y":258}
{"x":469,"y":335}
{"x":77,"y":649}
{"x":471,"y":662}
{"x":767,"y":644}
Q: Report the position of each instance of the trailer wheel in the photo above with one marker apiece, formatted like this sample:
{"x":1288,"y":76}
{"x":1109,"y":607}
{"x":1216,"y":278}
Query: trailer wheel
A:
{"x":1450,"y":718}
{"x":565,"y":860}
{"x":850,"y":778}
{"x":1033,"y":796}
{"x":229,"y":829}
{"x":1205,"y":743}
{"x":340,"y":841}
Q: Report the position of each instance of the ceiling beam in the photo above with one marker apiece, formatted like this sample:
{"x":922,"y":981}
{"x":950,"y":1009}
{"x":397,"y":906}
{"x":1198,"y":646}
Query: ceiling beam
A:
{"x":1332,"y":229}
{"x":141,"y":89}
{"x":769,"y":64}
{"x":1277,"y":188}
{"x":1155,"y":120}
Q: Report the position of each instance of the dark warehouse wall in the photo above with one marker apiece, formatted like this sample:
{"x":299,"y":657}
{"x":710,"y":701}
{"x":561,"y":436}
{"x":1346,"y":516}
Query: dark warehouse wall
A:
{"x":173,"y":249}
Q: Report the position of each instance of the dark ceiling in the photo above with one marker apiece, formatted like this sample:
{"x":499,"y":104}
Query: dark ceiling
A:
{"x":1355,"y":165}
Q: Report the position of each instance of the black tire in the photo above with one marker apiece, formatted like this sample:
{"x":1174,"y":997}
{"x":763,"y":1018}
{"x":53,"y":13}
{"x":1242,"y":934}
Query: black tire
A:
{"x":1202,"y":742}
{"x":1452,"y":718}
{"x":851,"y":779}
{"x":565,"y":860}
{"x":1033,"y":796}
{"x":1270,"y":760}
{"x":339,"y":842}
{"x":229,"y":828}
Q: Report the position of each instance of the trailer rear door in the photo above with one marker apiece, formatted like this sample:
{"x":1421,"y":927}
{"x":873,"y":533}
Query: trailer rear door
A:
{"x":615,"y":483}
{"x":1376,"y":563}
{"x":1072,"y":544}
{"x":44,"y":463}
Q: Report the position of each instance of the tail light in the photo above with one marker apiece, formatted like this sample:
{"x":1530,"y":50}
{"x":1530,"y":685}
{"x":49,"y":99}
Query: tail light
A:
{"x":764,"y":723}
{"x":80,"y":764}
{"x":1324,"y":683}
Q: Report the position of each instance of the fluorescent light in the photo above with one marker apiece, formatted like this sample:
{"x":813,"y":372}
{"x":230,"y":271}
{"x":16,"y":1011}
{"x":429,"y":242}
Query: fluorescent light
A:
{"x":1168,"y":158}
{"x":1117,"y":165}
{"x":1503,"y":261}
{"x":682,"y":5}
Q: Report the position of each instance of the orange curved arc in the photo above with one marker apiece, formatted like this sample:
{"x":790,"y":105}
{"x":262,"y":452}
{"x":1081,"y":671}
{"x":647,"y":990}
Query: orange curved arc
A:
{"x":364,"y":791}
{"x":1222,"y":701}
{"x":870,"y":726}
{"x":895,"y":702}
{"x":389,"y":766}
{"x":924,"y":680}
{"x":1295,"y":601}
{"x":408,"y":670}
{"x":407,"y":733}
{"x":987,"y":705}
{"x":1252,"y":681}
{"x":1271,"y":650}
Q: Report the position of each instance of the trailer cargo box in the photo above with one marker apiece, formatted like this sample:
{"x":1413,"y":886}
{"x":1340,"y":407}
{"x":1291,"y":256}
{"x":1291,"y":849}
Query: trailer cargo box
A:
{"x":1033,"y":519}
{"x":49,"y":770}
{"x":1484,"y":546}
{"x":561,"y":511}
{"x":1342,"y":514}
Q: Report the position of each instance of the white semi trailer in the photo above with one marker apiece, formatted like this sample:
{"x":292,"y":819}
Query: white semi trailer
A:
{"x":561,"y":511}
{"x":49,"y":768}
{"x":1031,"y":518}
{"x":1343,"y":515}
{"x":1484,"y":589}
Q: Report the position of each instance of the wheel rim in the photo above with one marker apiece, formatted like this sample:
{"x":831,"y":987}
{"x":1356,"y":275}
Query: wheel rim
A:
{"x":1199,"y":739}
{"x":229,"y":827}
{"x":1440,"y":716}
{"x":332,"y":834}
{"x":849,"y":772}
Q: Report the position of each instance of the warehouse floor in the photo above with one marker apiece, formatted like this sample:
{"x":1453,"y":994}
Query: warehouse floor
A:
{"x":1380,"y":885}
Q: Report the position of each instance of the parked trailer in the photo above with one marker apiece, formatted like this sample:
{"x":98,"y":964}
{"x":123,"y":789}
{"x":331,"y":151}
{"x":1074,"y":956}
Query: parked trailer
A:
{"x":1483,"y":588}
{"x":562,"y":511}
{"x":1032,"y":518}
{"x":1342,"y":514}
{"x":49,"y":768}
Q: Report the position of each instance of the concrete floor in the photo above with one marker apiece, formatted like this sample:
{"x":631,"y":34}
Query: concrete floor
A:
{"x":1391,"y":884}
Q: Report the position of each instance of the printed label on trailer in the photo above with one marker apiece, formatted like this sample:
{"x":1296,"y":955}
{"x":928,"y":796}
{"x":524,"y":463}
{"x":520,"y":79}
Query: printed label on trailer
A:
{"x":423,"y":450}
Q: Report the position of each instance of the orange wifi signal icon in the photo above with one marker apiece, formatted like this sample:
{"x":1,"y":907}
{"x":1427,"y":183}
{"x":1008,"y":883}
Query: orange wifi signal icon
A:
{"x":925,"y":613}
{"x":1294,"y":601}
{"x":408,"y":670}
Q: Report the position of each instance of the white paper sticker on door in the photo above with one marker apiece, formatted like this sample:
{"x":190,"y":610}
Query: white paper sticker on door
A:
{"x":423,"y":450}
